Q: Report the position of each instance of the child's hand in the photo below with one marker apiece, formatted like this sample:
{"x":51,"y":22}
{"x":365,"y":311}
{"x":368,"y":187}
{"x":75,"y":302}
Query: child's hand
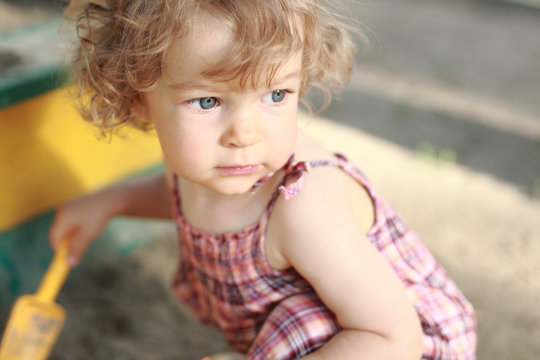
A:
{"x":82,"y":219}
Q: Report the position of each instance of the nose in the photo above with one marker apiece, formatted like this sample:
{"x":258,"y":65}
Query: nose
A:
{"x":243,"y":129}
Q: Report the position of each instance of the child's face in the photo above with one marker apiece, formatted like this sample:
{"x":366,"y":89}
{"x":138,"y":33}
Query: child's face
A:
{"x":215,"y":133}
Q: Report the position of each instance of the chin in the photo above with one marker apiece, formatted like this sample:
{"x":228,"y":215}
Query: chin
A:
{"x":234,"y":186}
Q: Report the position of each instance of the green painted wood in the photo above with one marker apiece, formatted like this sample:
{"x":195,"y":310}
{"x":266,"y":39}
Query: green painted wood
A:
{"x":33,"y":83}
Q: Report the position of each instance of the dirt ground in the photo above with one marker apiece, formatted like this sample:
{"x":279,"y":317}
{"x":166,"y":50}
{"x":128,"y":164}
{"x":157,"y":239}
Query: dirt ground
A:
{"x":468,"y":188}
{"x":483,"y":231}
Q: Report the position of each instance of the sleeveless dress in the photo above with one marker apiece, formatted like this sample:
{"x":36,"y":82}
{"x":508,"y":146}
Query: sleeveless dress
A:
{"x":275,"y":314}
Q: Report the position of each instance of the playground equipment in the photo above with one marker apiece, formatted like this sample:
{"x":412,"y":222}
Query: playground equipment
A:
{"x":49,"y":155}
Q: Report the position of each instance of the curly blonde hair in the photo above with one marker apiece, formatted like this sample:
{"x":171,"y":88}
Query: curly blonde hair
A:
{"x":121,"y":47}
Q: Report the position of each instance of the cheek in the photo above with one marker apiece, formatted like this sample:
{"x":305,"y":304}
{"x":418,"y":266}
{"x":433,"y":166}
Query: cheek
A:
{"x":290,"y":132}
{"x":286,"y":136}
{"x":179,"y":148}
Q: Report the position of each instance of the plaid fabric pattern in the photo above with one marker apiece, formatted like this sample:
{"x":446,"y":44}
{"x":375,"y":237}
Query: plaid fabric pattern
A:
{"x":297,"y":326}
{"x":271,"y":314}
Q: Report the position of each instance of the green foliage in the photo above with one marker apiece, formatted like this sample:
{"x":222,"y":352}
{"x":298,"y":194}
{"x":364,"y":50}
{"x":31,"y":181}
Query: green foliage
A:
{"x":432,"y":152}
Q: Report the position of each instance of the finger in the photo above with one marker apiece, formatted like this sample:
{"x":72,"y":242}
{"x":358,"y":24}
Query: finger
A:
{"x":58,"y":230}
{"x":77,"y":248}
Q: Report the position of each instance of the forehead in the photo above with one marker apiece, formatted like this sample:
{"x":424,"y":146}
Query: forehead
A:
{"x":208,"y":52}
{"x":201,"y":48}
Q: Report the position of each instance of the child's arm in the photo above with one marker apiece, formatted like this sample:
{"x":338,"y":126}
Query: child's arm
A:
{"x":85,"y":218}
{"x":321,"y":239}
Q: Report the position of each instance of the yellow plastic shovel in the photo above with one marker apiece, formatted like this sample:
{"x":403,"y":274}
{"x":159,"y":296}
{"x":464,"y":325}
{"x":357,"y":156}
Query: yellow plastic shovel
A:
{"x":36,"y":320}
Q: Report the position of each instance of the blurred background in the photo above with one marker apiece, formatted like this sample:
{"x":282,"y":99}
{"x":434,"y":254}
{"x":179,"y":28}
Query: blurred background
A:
{"x":444,"y":111}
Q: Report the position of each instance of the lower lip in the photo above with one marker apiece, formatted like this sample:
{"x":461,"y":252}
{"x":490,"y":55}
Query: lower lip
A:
{"x":238,"y":170}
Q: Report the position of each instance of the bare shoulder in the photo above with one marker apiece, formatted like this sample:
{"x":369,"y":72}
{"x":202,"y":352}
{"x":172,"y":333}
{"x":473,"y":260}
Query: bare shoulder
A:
{"x":330,"y":203}
{"x":318,"y":233}
{"x":328,"y":189}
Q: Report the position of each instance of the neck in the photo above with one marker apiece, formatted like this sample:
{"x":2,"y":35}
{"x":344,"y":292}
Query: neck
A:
{"x":209,"y":211}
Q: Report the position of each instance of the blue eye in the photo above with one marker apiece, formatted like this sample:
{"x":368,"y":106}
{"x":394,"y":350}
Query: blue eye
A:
{"x":206,"y":103}
{"x":275,"y":96}
{"x":278,"y":95}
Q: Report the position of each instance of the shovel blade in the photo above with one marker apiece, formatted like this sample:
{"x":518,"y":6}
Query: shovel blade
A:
{"x":32,"y":329}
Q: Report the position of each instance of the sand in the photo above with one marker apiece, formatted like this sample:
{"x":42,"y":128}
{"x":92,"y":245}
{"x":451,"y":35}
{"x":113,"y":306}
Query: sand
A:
{"x":481,"y":230}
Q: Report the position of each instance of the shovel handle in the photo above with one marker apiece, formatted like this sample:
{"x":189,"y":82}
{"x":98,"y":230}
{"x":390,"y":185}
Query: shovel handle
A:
{"x":56,"y":274}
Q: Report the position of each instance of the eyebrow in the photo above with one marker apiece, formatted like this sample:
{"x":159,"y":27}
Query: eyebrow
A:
{"x":292,"y":75}
{"x":190,"y":85}
{"x":186,"y":85}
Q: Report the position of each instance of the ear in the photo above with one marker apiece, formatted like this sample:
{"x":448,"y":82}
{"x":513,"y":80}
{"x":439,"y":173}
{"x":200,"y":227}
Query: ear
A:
{"x":140,"y":107}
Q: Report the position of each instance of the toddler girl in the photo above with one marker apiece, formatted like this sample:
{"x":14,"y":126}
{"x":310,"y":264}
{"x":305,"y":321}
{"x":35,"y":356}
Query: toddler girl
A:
{"x":284,"y":246}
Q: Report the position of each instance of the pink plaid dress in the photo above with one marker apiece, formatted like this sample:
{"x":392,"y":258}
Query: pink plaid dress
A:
{"x":274,"y":314}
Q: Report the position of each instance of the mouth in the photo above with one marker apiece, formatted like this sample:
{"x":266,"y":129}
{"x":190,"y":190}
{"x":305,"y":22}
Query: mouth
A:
{"x":238,"y":170}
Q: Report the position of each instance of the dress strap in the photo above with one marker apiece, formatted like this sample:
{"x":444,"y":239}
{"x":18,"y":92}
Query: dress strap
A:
{"x":292,"y":181}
